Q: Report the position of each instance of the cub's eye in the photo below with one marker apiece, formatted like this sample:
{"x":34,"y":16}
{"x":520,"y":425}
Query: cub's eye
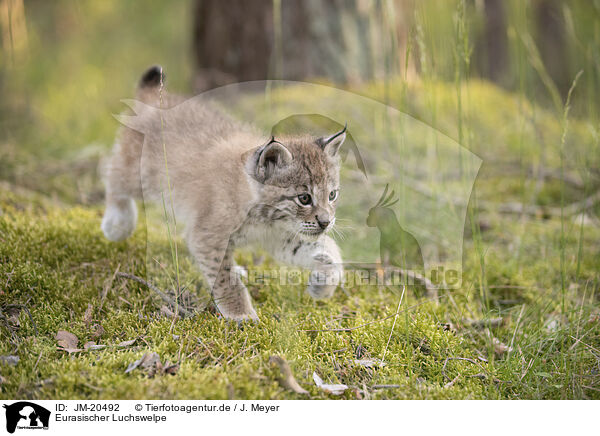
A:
{"x":333,"y":195}
{"x":304,"y":199}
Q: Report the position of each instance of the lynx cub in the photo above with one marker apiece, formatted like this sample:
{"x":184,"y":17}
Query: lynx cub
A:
{"x":231,"y":186}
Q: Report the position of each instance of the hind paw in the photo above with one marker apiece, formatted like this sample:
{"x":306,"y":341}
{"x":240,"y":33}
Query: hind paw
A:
{"x":119,"y":222}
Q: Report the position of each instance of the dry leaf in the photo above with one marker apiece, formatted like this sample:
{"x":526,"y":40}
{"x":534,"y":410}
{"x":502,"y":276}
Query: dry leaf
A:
{"x":338,"y":389}
{"x":9,"y":360}
{"x":134,"y":365}
{"x":500,"y":348}
{"x":149,"y":361}
{"x":552,"y":325}
{"x":98,"y":332}
{"x":164,"y":309}
{"x":92,"y":346}
{"x":555,"y":322}
{"x":70,"y":350}
{"x":152,"y":363}
{"x":287,"y":379}
{"x":66,"y":340}
{"x":126,"y":343}
{"x":171,"y":368}
{"x":594,"y":316}
{"x":87,"y":317}
{"x":13,"y":314}
{"x":448,"y":327}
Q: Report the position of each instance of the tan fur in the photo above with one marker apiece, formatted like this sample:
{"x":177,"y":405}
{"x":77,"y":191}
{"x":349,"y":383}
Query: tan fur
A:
{"x":231,"y":186}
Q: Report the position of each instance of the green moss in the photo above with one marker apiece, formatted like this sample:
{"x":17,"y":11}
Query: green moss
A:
{"x":56,"y":261}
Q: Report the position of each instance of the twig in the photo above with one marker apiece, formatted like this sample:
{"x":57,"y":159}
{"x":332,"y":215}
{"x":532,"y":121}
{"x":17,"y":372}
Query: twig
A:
{"x":451,"y":383}
{"x":393,"y":325}
{"x":160,"y":293}
{"x":198,"y":340}
{"x":37,"y":361}
{"x":107,"y":286}
{"x":15,"y":337}
{"x":589,"y":346}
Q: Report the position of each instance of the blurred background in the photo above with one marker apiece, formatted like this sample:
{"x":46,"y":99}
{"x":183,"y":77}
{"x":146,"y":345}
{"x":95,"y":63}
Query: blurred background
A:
{"x":65,"y":65}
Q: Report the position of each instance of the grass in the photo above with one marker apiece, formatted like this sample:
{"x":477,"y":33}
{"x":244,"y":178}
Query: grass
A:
{"x":66,"y":279}
{"x":55,"y":260}
{"x":536,"y":271}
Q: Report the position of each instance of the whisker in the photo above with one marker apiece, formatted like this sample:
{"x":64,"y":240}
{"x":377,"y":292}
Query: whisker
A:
{"x":296,"y":234}
{"x":338,"y":233}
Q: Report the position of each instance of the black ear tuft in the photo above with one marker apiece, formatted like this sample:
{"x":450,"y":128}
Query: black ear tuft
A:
{"x":331,"y":144}
{"x":152,"y":77}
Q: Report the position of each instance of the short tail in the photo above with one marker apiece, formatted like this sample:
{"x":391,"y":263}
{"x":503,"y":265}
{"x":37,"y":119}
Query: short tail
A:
{"x":151,"y":84}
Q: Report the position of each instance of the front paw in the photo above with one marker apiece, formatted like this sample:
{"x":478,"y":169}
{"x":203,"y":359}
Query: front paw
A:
{"x":119,"y":221}
{"x":239,"y":316}
{"x":321,"y":292}
{"x":323,"y":283}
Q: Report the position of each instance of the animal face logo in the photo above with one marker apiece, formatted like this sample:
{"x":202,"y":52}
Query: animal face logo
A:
{"x":24,"y":414}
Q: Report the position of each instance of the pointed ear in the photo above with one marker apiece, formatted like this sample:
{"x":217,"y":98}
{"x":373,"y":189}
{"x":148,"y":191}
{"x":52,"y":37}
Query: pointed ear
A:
{"x":135,"y":121}
{"x":331,"y":144}
{"x":272,"y":157}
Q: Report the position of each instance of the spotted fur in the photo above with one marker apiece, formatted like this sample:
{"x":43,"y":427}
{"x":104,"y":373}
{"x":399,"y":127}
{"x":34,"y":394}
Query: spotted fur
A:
{"x":231,"y":186}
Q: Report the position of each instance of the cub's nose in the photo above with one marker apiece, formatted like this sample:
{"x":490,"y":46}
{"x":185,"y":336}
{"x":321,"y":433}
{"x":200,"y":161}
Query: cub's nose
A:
{"x":323,"y":221}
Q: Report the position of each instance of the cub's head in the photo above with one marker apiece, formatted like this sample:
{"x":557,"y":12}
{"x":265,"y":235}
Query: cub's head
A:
{"x":298,"y":181}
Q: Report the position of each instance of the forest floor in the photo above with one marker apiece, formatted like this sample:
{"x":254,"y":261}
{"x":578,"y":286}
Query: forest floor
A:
{"x":525,"y":324}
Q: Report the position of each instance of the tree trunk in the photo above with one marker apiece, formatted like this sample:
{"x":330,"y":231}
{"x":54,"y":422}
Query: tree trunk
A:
{"x":339,"y":40}
{"x":551,"y":42}
{"x":232,"y":41}
{"x":495,"y":40}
